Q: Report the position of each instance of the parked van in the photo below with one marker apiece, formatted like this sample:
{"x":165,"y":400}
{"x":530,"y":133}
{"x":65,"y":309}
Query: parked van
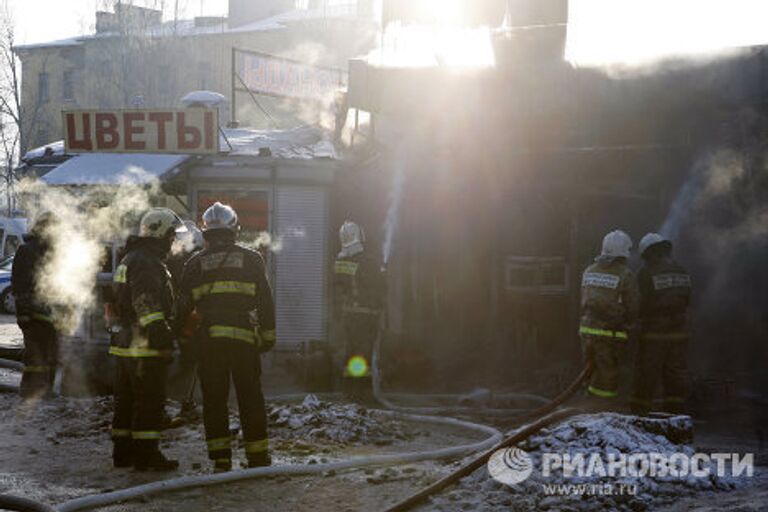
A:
{"x":12,"y":231}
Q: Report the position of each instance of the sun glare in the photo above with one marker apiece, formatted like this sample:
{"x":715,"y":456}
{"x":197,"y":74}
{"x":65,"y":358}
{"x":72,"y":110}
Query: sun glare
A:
{"x":638,"y":32}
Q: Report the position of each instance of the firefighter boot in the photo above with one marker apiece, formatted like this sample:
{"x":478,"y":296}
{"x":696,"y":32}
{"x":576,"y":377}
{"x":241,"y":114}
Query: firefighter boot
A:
{"x":122,"y":454}
{"x":259,"y":460}
{"x":147,"y":456}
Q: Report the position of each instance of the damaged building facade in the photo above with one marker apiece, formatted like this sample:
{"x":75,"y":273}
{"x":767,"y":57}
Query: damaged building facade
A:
{"x":486,"y":191}
{"x":508,"y":177}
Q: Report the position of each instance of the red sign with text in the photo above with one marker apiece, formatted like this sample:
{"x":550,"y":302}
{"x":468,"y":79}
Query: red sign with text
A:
{"x":187,"y":131}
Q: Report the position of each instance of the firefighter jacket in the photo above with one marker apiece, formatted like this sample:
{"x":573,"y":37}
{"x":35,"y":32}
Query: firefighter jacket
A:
{"x":226,"y":285}
{"x":665,"y":292}
{"x":359,"y":284}
{"x":25,"y":280}
{"x":609,"y":299}
{"x":144,"y":302}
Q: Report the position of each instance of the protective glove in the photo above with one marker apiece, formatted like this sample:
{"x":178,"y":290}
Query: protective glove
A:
{"x":266,"y":341}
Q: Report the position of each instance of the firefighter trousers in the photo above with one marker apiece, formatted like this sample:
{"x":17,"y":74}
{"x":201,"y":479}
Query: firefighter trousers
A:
{"x":660,"y":360}
{"x":219,"y":361}
{"x":604,"y":352}
{"x":139,"y":406}
{"x":40,"y":358}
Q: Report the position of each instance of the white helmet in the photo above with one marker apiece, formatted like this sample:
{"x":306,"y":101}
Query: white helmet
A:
{"x":616,"y":244}
{"x":652,"y":239}
{"x":351,"y":236}
{"x":159,"y":222}
{"x":220,"y":216}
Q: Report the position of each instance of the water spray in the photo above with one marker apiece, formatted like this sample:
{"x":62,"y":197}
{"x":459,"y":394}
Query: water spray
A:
{"x":393,"y":213}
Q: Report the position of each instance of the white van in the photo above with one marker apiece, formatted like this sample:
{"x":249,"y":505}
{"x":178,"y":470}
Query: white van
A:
{"x":12,"y":231}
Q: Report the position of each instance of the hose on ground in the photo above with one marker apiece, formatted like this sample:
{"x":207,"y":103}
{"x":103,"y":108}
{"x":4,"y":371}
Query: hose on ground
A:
{"x":479,"y":411}
{"x":544,"y":415}
{"x":187,"y":482}
{"x":470,"y":467}
{"x":18,"y":504}
{"x":8,"y":388}
{"x":11,"y":364}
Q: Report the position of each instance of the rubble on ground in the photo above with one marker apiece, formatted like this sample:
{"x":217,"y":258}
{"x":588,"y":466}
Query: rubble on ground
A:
{"x":314,"y":421}
{"x":601,"y":434}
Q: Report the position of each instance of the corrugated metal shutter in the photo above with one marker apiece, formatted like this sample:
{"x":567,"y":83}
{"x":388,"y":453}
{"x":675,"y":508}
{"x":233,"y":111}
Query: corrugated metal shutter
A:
{"x":301,"y":222}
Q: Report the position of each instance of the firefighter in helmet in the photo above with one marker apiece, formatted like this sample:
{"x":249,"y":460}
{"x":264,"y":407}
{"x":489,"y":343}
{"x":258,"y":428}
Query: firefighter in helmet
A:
{"x":665,"y":291}
{"x":359,"y":288}
{"x":609,"y":303}
{"x":226,"y":289}
{"x":143,"y":343}
{"x":32,"y":313}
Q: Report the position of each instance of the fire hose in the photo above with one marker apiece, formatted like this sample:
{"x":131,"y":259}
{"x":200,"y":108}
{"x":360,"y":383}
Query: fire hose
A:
{"x":10,"y":365}
{"x":8,"y":502}
{"x":187,"y":482}
{"x":494,"y":441}
{"x":545,"y":416}
{"x":383,"y":399}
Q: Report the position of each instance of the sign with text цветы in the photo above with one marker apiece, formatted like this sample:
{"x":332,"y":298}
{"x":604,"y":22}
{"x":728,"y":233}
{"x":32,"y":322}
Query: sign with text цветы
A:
{"x":184,"y":131}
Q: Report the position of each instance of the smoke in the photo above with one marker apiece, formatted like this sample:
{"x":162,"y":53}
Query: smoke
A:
{"x":393,"y":213}
{"x":719,"y":223}
{"x":86,"y":224}
{"x":713,"y":177}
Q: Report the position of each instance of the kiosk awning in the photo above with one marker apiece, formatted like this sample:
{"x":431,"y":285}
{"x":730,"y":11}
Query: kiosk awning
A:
{"x":113,"y":169}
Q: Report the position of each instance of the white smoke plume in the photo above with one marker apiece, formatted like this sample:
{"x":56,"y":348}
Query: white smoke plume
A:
{"x":711,"y":178}
{"x":88,"y":221}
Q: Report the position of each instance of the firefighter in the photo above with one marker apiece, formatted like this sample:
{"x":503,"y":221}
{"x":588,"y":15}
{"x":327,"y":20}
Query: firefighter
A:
{"x":143,"y":342}
{"x":609,"y":304}
{"x":359,"y":290}
{"x":32,"y":313}
{"x":665,"y":291}
{"x":225,"y":288}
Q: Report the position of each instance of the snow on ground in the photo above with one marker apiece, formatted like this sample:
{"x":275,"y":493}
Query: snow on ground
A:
{"x":601,"y":434}
{"x":58,"y":449}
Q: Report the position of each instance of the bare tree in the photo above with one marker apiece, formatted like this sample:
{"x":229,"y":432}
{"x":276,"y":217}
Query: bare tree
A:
{"x":15,"y":121}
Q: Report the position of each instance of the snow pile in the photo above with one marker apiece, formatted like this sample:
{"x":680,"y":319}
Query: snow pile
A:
{"x":334,"y":423}
{"x":606,"y":437}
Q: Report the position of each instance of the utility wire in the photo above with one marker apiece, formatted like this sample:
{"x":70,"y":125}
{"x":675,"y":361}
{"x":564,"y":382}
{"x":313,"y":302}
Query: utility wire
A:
{"x":253,"y":97}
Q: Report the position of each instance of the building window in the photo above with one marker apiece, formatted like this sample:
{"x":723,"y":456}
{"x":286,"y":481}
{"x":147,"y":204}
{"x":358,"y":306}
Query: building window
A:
{"x":537,"y":276}
{"x":42,"y":87}
{"x":68,"y":85}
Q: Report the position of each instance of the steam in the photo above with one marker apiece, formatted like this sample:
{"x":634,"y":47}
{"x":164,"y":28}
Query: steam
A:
{"x":87,"y":221}
{"x":393,"y":213}
{"x":719,"y":223}
{"x":266,"y":241}
{"x":713,"y":178}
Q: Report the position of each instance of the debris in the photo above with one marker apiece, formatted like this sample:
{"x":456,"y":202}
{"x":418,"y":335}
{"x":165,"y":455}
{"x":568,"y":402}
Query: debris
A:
{"x":601,"y":434}
{"x":333,"y":423}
